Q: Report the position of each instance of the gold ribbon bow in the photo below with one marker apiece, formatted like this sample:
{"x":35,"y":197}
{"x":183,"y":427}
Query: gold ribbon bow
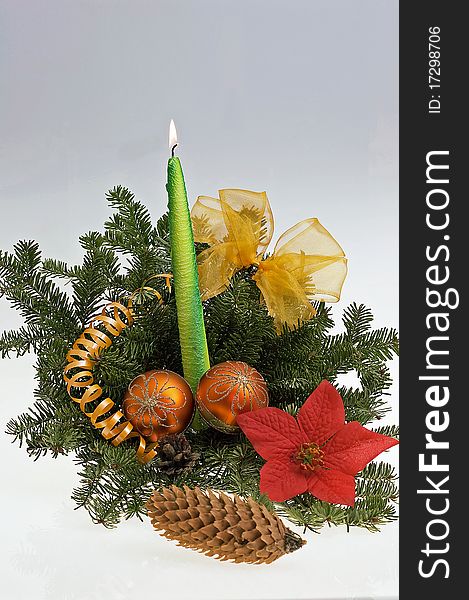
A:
{"x":307,"y":263}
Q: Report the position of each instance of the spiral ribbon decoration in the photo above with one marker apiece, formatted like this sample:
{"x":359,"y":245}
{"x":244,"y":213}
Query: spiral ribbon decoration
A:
{"x":79,"y":378}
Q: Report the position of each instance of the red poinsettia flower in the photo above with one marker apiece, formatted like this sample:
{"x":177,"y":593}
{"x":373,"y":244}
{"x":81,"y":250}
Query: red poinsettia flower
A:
{"x":316,"y":452}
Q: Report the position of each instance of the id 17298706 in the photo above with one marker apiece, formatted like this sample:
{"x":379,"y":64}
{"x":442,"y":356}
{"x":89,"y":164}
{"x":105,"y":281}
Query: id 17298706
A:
{"x":434,"y":70}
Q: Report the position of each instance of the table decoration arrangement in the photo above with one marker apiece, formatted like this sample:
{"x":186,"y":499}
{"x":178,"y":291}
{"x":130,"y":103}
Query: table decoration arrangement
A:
{"x":193,"y":375}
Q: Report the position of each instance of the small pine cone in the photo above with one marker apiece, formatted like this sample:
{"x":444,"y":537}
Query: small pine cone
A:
{"x":220,"y":526}
{"x":175,"y":454}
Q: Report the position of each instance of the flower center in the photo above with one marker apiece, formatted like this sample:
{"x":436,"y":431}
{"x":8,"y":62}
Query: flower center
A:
{"x":309,"y":456}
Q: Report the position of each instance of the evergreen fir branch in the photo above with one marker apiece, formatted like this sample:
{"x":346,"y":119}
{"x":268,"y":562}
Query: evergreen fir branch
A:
{"x":357,"y":321}
{"x":24,"y":340}
{"x":124,"y":259}
{"x":132,"y":222}
{"x":23,"y":262}
{"x":130,"y":232}
{"x":56,"y":269}
{"x":367,"y":488}
{"x":237,"y":325}
{"x":130,"y":229}
{"x":389,"y":430}
{"x":95,"y":281}
{"x":364,"y":405}
{"x":31,"y":293}
{"x":228,"y":464}
{"x":56,"y":438}
{"x":379,"y":470}
{"x":374,"y":507}
{"x":384,"y":343}
{"x":24,"y":427}
{"x":113,"y":484}
{"x":371,"y":514}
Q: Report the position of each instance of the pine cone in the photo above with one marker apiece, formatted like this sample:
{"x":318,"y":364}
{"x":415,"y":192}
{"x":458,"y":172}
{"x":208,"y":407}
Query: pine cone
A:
{"x":175,"y":454}
{"x":219,"y":526}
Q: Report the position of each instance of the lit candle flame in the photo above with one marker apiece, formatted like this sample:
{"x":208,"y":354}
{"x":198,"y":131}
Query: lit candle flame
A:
{"x":173,"y":136}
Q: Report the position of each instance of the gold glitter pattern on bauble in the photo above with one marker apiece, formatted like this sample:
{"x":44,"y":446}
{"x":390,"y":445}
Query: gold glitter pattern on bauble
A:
{"x":229,"y":389}
{"x":159,"y":403}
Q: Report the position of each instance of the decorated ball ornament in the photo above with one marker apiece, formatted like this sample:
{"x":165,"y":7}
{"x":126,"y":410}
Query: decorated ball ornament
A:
{"x":159,"y":403}
{"x":228,"y":390}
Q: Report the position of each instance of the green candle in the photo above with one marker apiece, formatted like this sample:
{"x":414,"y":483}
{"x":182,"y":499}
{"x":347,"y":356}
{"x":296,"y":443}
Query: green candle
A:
{"x":190,"y":315}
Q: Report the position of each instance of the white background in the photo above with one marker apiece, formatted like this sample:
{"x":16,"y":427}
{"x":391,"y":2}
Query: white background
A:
{"x":295,"y":98}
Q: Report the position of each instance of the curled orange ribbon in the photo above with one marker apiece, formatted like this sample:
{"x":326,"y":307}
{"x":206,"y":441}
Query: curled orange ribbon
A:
{"x":307,"y":264}
{"x":78,"y":373}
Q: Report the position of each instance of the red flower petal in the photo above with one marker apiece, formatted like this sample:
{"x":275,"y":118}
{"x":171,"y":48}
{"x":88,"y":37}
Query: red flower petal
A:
{"x":322,"y":414}
{"x":353,"y":447}
{"x":332,"y":486}
{"x":273,"y":432}
{"x":281,"y":480}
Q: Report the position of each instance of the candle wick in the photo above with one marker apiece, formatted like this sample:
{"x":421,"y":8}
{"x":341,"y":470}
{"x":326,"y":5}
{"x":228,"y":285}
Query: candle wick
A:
{"x":172,"y":149}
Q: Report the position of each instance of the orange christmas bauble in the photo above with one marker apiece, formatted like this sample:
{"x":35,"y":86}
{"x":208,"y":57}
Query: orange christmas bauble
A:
{"x":158,"y":403}
{"x":227,"y":390}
